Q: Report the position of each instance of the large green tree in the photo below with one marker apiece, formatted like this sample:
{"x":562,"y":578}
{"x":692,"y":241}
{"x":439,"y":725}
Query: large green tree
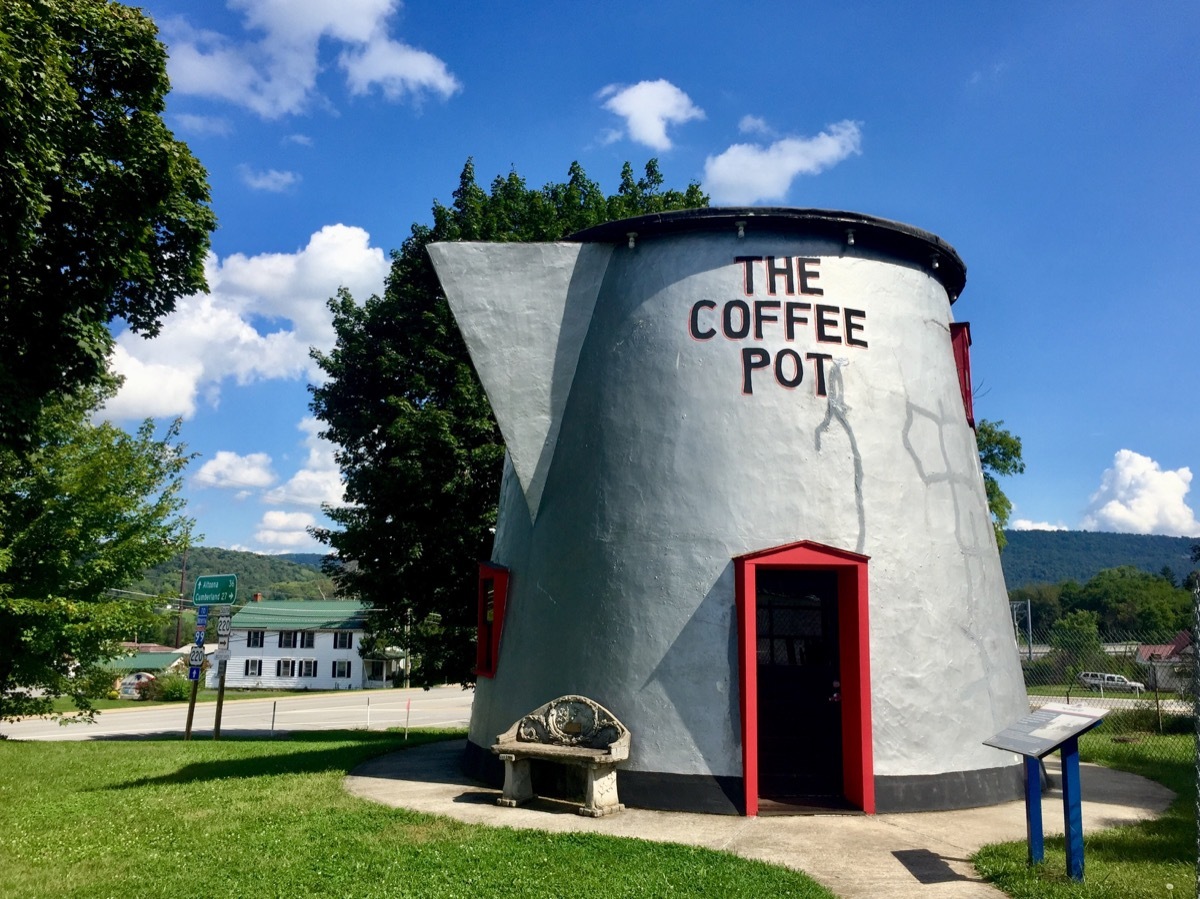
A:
{"x":418,"y":446}
{"x":1128,"y":601}
{"x":103,"y":215}
{"x":1000,"y":456}
{"x":85,"y":511}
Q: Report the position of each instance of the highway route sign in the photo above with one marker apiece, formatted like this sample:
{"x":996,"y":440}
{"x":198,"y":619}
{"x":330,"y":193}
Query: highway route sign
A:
{"x":201,"y":616}
{"x":196,"y":656}
{"x":215,"y":589}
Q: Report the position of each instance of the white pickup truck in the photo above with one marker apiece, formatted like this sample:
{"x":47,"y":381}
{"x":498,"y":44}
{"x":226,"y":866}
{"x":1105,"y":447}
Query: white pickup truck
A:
{"x":1095,"y":680}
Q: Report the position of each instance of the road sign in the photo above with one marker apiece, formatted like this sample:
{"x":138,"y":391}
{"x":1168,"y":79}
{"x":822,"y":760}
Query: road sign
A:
{"x":196,"y":656}
{"x":194,"y":673}
{"x":221,"y":655}
{"x":223,"y":641}
{"x":223,"y":627}
{"x":199,"y":639}
{"x":201,"y":615}
{"x":214,"y":589}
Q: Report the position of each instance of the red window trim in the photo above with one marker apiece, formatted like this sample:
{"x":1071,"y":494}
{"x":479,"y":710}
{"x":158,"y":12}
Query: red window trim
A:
{"x":960,"y":340}
{"x":487,"y":638}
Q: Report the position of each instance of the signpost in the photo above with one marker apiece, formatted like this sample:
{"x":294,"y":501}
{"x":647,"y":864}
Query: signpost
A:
{"x":222,"y":657}
{"x":219,"y":590}
{"x":1053,"y":726}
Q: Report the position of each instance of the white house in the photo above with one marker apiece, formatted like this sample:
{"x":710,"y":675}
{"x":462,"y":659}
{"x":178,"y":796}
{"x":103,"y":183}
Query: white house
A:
{"x":300,"y":646}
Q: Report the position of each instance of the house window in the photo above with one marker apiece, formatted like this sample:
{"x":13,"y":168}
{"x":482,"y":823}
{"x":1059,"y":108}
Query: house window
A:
{"x":287,"y":639}
{"x":307,"y":639}
{"x":493,"y":593}
{"x":285,"y":668}
{"x":341,"y":668}
{"x":375,"y":669}
{"x":254,"y":639}
{"x":308,"y":667}
{"x":343,"y":640}
{"x":254,"y":666}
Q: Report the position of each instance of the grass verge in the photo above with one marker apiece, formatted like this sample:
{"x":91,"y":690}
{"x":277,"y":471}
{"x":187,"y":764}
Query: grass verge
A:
{"x":64,"y":705}
{"x":270,"y":818}
{"x":1151,"y":859}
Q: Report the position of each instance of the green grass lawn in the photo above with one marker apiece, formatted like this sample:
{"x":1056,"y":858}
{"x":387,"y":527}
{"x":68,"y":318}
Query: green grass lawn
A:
{"x":1123,"y":863}
{"x":263,"y":818}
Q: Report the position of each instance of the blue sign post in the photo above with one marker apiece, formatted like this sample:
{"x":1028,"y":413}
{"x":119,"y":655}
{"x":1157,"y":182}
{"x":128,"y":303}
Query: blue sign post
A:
{"x":1035,"y":736}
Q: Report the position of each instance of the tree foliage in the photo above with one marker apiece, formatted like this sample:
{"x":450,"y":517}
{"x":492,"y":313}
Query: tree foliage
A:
{"x":1000,"y":456}
{"x":1126,"y":600}
{"x":103,"y":214}
{"x":85,"y":511}
{"x":418,"y":446}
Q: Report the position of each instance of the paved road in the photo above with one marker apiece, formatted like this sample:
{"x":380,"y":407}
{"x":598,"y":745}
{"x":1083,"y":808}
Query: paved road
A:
{"x":376,"y":709}
{"x":1115,"y":701}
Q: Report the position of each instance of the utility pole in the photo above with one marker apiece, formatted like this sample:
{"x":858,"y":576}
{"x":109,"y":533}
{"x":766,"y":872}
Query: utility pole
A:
{"x":182,"y":583}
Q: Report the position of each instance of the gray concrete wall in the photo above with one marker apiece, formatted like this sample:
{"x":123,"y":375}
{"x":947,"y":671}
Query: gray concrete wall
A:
{"x":638,"y":468}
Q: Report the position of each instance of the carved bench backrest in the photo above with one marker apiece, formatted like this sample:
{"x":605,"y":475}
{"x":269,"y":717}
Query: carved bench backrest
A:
{"x":570,"y":721}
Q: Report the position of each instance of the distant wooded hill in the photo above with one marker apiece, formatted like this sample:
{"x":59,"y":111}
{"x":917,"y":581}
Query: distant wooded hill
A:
{"x":1031,"y":557}
{"x":1050,"y":557}
{"x":293,"y":576}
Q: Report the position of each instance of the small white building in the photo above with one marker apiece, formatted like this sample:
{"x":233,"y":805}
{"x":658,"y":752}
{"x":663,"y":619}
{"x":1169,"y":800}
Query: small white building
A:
{"x":305,"y":645}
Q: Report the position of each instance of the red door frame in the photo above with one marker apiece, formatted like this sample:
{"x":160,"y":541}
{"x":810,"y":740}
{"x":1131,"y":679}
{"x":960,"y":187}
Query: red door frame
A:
{"x":854,"y":646}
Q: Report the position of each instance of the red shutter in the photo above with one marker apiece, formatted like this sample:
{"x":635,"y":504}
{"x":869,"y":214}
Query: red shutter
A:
{"x":960,"y":340}
{"x":493,"y":596}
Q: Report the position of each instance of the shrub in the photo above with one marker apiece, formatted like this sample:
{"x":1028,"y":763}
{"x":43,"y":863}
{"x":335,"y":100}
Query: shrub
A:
{"x":167,"y":688}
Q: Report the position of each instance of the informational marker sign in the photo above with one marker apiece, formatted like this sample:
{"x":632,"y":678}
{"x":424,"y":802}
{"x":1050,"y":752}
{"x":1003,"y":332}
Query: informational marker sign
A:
{"x":1053,"y":726}
{"x":1041,"y":732}
{"x":215,"y":589}
{"x":194,"y":673}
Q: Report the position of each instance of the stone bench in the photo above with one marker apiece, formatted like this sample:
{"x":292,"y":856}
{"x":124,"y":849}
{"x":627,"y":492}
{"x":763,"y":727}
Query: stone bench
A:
{"x":571,"y":730}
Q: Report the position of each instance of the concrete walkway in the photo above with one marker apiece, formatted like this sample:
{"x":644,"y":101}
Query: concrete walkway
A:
{"x":920,"y":855}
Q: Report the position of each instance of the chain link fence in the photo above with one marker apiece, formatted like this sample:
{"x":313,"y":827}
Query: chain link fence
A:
{"x":1144,"y":679}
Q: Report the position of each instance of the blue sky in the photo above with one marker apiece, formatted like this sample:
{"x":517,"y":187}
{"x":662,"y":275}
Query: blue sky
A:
{"x":1055,"y":145}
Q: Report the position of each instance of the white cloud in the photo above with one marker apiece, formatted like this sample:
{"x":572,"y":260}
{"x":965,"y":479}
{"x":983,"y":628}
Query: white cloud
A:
{"x":276,"y":74}
{"x":1137,"y":497}
{"x":202,"y":124}
{"x":752,"y":124}
{"x":648,"y":107}
{"x":319,"y":481}
{"x":302,"y":140}
{"x":284,"y":529}
{"x":1024,"y":524}
{"x":271,"y":180}
{"x":211,"y":338}
{"x":748,"y":173}
{"x":228,"y":469}
{"x":398,"y":69}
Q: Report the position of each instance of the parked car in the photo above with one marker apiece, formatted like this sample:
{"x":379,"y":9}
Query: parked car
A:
{"x":131,"y":684}
{"x":1096,"y":680}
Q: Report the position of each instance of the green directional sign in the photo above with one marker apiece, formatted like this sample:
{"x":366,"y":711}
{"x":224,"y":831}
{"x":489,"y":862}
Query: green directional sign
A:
{"x":215,"y":590}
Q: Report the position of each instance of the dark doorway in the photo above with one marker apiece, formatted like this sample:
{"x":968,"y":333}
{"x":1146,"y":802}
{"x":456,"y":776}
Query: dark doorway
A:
{"x":799,"y":694}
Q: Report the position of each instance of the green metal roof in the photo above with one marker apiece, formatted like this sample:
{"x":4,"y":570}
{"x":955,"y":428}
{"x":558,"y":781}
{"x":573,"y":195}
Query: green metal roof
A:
{"x":143,"y":661}
{"x":336,"y":615}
